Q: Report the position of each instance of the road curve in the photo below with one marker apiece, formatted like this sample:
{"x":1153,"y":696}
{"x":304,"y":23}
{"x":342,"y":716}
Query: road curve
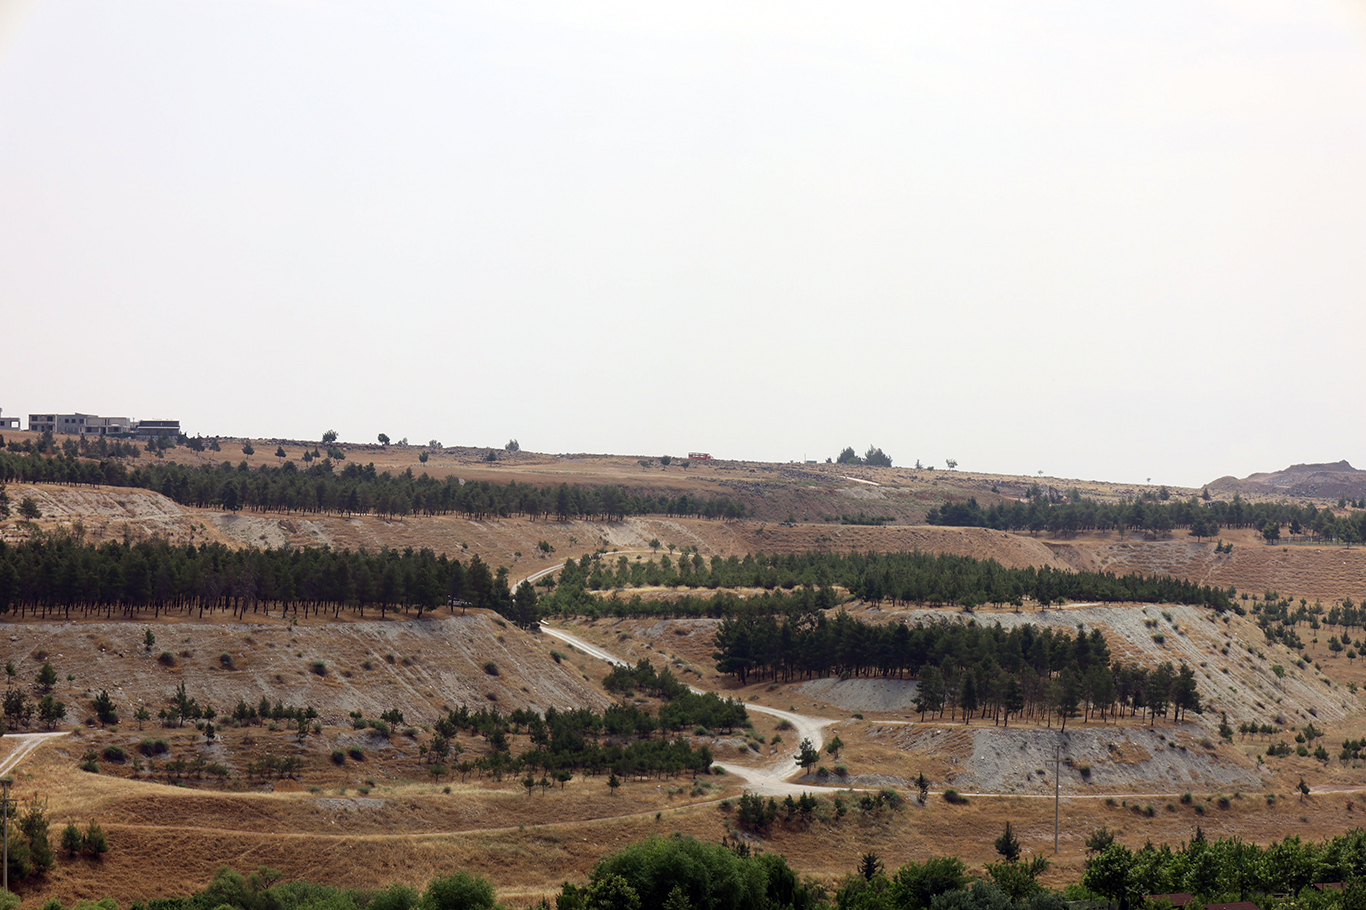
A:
{"x":24,"y":743}
{"x":770,"y":780}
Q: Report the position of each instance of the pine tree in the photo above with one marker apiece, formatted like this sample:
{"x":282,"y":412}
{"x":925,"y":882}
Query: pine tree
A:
{"x":33,"y":824}
{"x":1008,"y":845}
{"x":72,"y":840}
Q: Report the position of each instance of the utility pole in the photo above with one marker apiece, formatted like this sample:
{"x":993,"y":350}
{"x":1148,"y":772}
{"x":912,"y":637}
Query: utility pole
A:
{"x":1057,"y":792}
{"x":5,"y":804}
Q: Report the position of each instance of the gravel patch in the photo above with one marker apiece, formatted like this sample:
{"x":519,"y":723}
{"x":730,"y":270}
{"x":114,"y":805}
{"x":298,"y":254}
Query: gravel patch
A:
{"x":1000,"y":760}
{"x":864,"y":694}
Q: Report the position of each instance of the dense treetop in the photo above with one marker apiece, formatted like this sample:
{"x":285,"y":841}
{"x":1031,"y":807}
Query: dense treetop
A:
{"x":1152,"y":514}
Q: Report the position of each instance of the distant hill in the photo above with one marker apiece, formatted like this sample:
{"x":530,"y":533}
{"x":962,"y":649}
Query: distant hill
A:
{"x":1319,"y":481}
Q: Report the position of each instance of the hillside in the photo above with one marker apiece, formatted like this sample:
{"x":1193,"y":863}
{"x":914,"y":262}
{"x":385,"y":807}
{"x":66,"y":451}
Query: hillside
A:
{"x":337,"y":666}
{"x":1300,"y":481}
{"x":171,"y":829}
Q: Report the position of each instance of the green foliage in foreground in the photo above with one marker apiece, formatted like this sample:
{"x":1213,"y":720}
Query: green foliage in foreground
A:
{"x":682,"y":873}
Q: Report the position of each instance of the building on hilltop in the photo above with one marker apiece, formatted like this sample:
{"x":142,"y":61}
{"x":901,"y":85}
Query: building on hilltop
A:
{"x":8,"y":423}
{"x":79,"y":424}
{"x":90,"y":425}
{"x":156,"y":428}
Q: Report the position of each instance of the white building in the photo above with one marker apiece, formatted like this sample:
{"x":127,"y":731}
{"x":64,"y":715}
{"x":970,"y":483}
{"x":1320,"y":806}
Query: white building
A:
{"x":78,"y":424}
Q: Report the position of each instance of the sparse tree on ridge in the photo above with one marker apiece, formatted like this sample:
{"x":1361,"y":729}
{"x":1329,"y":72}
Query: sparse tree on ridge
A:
{"x":329,"y":437}
{"x":384,"y":439}
{"x":877,"y":458}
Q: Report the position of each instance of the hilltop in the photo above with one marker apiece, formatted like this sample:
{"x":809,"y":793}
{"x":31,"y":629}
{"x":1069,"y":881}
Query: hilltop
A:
{"x":1301,"y":481}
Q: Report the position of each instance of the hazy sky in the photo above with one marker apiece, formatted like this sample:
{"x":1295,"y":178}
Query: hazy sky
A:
{"x":1110,"y":240}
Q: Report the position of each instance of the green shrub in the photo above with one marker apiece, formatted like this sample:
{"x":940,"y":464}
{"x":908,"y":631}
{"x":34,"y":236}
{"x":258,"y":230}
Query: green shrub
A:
{"x":491,"y":668}
{"x":954,"y":797}
{"x":151,"y":747}
{"x":115,"y":754}
{"x":338,"y":757}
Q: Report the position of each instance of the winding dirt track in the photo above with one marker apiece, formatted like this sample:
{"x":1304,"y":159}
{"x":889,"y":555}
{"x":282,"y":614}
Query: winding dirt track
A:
{"x":26,"y":743}
{"x":770,"y":780}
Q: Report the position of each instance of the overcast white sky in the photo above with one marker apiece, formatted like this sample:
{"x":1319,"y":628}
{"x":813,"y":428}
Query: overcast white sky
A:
{"x":1109,"y":240}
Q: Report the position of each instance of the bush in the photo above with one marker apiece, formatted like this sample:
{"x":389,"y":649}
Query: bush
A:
{"x":356,"y":753}
{"x":491,"y":668}
{"x":151,"y":747}
{"x":954,"y":797}
{"x":166,"y":659}
{"x":319,"y":668}
{"x":91,"y":766}
{"x":338,"y":757}
{"x":460,"y":891}
{"x":115,"y":754}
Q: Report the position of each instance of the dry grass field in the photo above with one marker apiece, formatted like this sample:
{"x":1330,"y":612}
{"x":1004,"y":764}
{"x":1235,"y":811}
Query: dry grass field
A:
{"x":384,"y":818}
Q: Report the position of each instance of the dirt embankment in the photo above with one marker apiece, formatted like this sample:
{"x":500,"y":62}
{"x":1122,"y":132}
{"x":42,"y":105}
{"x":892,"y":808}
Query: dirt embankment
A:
{"x":421,"y":667}
{"x":1313,"y":571}
{"x":1094,"y":759}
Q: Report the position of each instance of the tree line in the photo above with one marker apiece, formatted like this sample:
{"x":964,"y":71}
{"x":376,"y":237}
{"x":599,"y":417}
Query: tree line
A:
{"x":1229,"y":869}
{"x":1076,"y":513}
{"x":913,"y":577}
{"x":972,"y":670}
{"x":362,"y":490}
{"x":57,"y":574}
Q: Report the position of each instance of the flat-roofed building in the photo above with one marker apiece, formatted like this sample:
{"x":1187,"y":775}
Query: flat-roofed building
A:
{"x":157,"y":428}
{"x":9,"y":423}
{"x":78,"y":424}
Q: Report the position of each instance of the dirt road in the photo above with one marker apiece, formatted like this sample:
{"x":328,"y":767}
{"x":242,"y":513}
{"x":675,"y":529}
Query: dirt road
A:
{"x":21,"y":744}
{"x":770,"y":780}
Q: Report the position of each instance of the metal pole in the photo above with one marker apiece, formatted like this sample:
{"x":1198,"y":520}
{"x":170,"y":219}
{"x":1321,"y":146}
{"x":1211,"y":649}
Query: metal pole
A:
{"x":5,"y":783}
{"x":1057,"y":793}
